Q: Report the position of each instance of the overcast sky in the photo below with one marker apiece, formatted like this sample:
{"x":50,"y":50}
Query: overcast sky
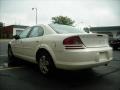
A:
{"x":91,"y":12}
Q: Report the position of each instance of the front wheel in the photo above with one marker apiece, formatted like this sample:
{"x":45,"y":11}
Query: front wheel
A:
{"x":46,"y":64}
{"x":11,"y":58}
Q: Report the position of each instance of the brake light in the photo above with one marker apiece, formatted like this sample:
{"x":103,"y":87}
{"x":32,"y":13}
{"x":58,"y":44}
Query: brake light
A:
{"x":73,"y":42}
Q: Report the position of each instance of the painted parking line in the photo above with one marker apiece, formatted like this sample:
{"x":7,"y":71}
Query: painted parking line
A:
{"x":3,"y":55}
{"x":10,"y":68}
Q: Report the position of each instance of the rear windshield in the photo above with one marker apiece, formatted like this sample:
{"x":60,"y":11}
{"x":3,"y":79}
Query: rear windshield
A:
{"x":65,"y":29}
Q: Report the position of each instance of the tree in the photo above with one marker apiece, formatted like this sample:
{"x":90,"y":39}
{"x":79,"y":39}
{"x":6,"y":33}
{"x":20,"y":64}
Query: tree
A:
{"x":62,"y":20}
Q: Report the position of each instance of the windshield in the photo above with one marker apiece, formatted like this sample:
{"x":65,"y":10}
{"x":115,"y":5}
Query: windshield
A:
{"x":65,"y":29}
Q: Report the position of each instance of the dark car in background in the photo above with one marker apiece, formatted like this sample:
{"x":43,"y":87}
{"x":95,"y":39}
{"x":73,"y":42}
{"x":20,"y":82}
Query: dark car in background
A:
{"x":115,"y":43}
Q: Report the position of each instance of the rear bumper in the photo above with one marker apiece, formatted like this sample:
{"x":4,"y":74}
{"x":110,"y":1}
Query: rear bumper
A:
{"x":83,"y":58}
{"x":81,"y":65}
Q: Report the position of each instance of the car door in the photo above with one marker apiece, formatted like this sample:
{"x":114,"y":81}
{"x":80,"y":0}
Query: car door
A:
{"x":18,"y":45}
{"x":32,"y":42}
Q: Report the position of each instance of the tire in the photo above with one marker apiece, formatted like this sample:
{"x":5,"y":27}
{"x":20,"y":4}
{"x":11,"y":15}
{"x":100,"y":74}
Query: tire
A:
{"x":115,"y":48}
{"x":45,"y":63}
{"x":11,"y":58}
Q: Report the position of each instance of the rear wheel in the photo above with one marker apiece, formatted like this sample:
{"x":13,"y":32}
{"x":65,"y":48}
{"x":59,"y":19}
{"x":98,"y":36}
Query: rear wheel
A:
{"x":46,"y":64}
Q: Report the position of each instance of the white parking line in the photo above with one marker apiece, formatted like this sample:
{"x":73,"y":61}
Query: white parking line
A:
{"x":3,"y":55}
{"x":9,"y":68}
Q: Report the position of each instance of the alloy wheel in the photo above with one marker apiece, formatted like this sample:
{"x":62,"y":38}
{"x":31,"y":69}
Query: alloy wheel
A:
{"x":44,"y":64}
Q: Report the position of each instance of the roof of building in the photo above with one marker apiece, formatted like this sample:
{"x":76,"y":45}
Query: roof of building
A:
{"x":17,"y":26}
{"x":107,"y":28}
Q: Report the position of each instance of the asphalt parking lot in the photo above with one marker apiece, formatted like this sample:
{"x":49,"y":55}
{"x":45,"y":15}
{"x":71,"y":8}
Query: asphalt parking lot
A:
{"x":26,"y":75}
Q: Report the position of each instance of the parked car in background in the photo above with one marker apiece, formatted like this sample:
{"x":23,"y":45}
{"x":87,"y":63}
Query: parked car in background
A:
{"x":115,"y":43}
{"x":60,"y":46}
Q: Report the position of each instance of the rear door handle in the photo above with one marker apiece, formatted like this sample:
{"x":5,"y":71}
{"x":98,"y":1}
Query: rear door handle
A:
{"x":37,"y":41}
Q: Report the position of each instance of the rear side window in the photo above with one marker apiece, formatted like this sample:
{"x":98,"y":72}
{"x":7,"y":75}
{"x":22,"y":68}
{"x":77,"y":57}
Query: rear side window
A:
{"x":36,"y":31}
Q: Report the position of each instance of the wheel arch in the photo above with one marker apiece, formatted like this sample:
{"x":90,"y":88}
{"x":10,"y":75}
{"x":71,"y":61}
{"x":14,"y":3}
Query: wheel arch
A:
{"x":48,"y":50}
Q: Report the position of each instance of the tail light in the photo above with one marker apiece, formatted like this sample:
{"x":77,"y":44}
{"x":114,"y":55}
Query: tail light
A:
{"x":73,"y":42}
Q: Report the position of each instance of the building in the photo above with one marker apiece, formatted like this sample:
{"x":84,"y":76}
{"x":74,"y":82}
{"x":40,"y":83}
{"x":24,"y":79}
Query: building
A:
{"x":112,"y":31}
{"x":1,"y":29}
{"x":9,"y":31}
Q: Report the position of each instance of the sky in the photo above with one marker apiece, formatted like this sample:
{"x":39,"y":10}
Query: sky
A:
{"x":90,"y":12}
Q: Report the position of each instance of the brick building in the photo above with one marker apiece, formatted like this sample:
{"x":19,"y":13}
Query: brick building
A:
{"x":1,"y":29}
{"x":9,"y":31}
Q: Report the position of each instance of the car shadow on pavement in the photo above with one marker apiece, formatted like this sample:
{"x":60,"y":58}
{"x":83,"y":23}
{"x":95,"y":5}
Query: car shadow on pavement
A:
{"x":61,"y":75}
{"x":66,"y":75}
{"x":62,"y":79}
{"x":76,"y":76}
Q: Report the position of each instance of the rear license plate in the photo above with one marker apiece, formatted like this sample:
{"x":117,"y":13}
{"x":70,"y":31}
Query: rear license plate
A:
{"x":102,"y":56}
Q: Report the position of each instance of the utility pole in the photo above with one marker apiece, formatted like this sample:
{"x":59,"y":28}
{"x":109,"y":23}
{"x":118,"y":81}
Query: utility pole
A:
{"x":35,"y":14}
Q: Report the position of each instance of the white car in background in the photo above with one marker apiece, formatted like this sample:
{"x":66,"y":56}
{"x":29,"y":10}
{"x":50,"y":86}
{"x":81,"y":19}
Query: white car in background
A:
{"x":60,"y":46}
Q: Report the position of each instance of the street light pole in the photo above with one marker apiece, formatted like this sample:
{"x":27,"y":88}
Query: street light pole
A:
{"x":36,"y":14}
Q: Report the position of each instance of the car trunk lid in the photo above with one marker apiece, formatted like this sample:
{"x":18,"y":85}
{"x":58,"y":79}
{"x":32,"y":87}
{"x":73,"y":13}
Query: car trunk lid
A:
{"x":94,"y":40}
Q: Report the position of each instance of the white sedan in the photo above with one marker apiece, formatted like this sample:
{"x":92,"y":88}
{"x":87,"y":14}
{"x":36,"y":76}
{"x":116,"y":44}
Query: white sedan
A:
{"x":60,"y":46}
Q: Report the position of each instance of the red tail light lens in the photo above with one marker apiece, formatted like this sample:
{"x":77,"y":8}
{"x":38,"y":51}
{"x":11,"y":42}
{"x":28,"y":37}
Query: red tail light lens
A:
{"x":73,"y":42}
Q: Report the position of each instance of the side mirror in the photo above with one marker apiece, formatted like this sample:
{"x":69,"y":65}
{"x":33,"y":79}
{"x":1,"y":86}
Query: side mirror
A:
{"x":16,"y":37}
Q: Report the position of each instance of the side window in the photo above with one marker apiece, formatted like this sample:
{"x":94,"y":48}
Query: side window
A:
{"x":25,"y":33}
{"x":36,"y":31}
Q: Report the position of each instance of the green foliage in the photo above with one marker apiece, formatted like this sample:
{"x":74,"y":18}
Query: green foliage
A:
{"x":62,"y":20}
